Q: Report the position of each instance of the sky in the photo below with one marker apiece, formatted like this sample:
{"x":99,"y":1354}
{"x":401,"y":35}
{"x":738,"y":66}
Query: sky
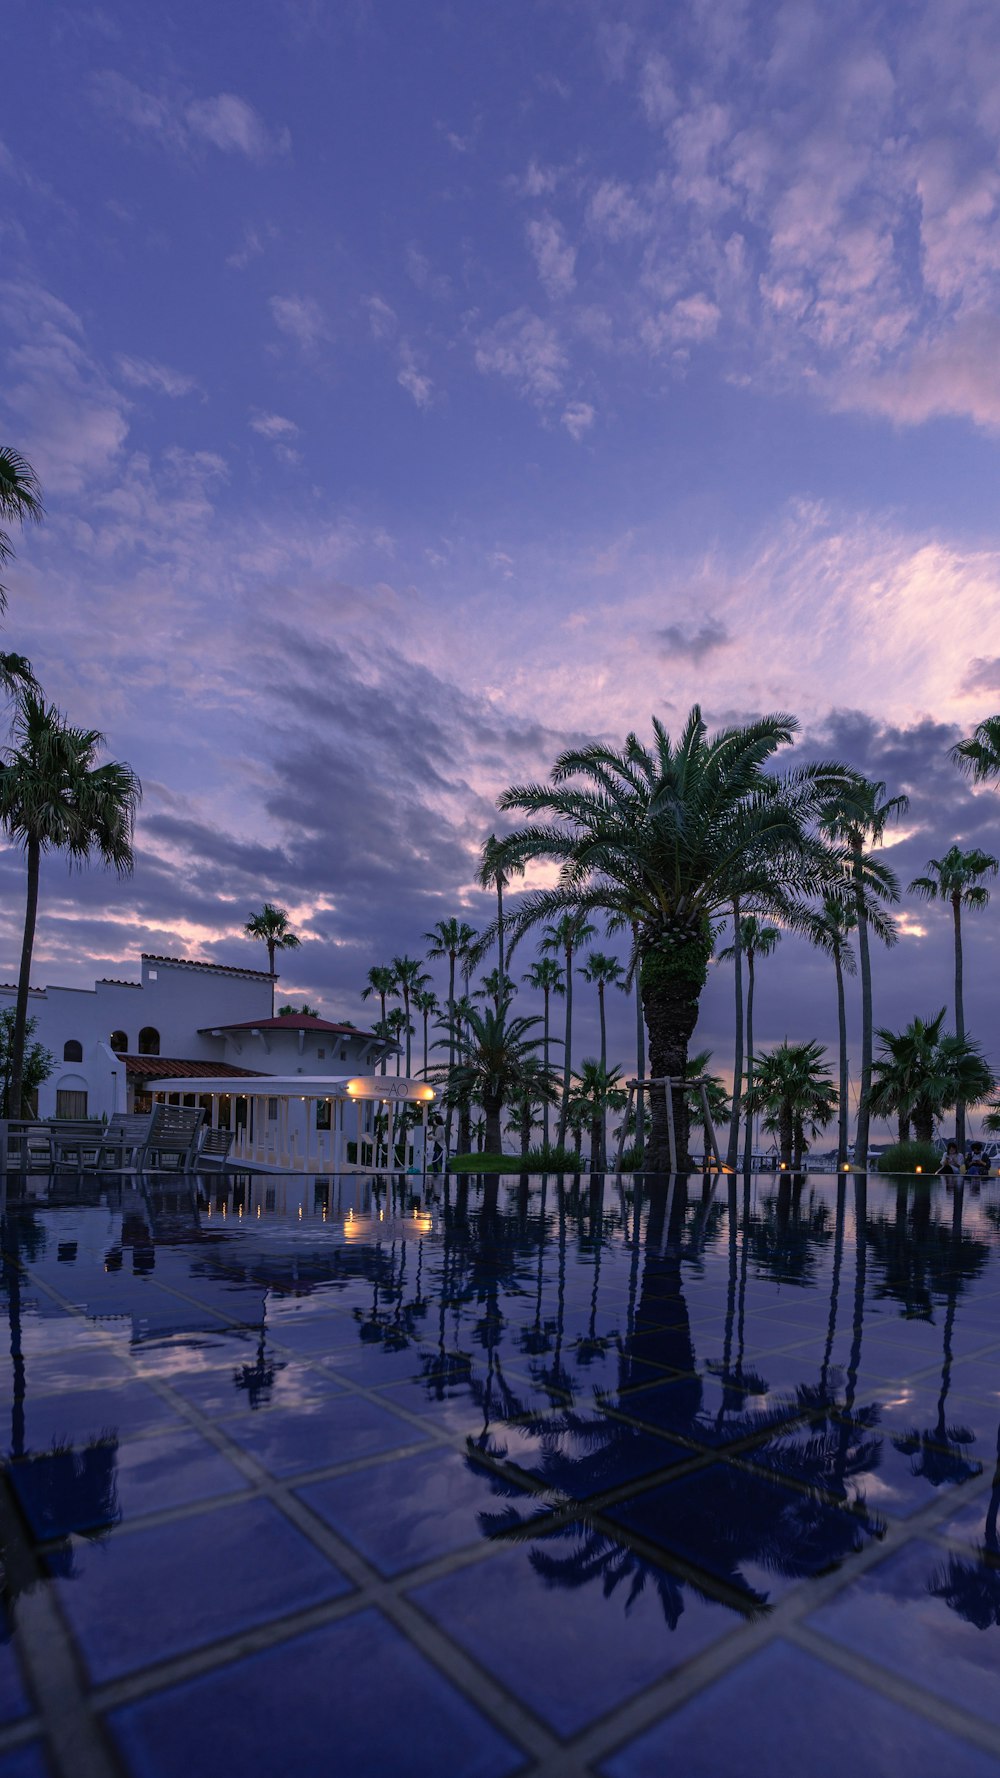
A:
{"x":418,"y":389}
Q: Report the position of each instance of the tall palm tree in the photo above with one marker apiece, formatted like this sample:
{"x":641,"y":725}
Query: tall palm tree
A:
{"x":754,"y":939}
{"x":55,"y":797}
{"x":600,"y":1091}
{"x":381,"y":982}
{"x":602,"y":971}
{"x":451,"y":939}
{"x":957,"y":878}
{"x":495,"y":987}
{"x":921,"y":1073}
{"x":979,"y":754}
{"x":736,"y":952}
{"x":547,"y":976}
{"x":858,"y":817}
{"x":20,"y":501}
{"x":495,"y":1056}
{"x":495,"y":872}
{"x":398,"y":1025}
{"x":792,"y":1087}
{"x":829,"y":929}
{"x":427,"y":1004}
{"x":567,"y":934}
{"x":271,"y":926}
{"x":664,"y":836}
{"x":408,"y":977}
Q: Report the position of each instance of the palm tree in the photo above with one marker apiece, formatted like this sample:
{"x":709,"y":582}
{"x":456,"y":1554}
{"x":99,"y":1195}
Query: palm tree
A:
{"x":538,"y":1088}
{"x":859,"y":817}
{"x":382,"y":982}
{"x":979,"y":755}
{"x":602,"y":971}
{"x":495,"y":987}
{"x":427,"y":1004}
{"x":546,"y":975}
{"x":600,"y":1091}
{"x":451,"y":939}
{"x":55,"y":797}
{"x":794,"y":1090}
{"x":397,"y":1025}
{"x":567,"y":934}
{"x":829,"y":929}
{"x":495,"y":872}
{"x":958,"y":878}
{"x":494,"y":1058}
{"x":408,"y":977}
{"x":753,"y":940}
{"x":272,"y":928}
{"x":20,"y":500}
{"x":921,"y":1073}
{"x":663,"y":837}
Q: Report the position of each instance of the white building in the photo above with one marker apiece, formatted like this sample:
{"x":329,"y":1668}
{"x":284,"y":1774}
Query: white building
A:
{"x":183,"y":1020}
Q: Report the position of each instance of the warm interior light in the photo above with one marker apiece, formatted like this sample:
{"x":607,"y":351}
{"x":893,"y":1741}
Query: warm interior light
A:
{"x":918,"y":1169}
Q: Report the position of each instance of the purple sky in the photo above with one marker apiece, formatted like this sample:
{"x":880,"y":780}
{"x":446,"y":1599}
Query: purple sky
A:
{"x":418,"y":387}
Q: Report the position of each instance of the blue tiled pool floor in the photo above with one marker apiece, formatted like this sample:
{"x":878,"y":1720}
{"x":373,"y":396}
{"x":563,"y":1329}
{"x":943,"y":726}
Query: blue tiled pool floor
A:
{"x":700,"y":1477}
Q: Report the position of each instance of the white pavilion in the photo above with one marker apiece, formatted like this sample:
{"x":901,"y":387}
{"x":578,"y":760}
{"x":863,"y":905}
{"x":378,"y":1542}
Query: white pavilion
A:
{"x":301,"y":1123}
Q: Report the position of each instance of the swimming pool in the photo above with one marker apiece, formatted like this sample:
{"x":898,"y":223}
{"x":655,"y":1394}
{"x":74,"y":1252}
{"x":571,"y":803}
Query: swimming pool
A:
{"x":317,"y":1476}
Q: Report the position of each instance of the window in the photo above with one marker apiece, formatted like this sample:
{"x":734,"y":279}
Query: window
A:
{"x":72,"y":1050}
{"x":70,"y":1104}
{"x":321,"y":1054}
{"x":323,"y":1114}
{"x":149,"y":1041}
{"x":119,"y":1042}
{"x":272,"y":1110}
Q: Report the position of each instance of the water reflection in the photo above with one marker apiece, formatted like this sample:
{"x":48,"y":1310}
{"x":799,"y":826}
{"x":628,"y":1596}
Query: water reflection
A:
{"x":665,"y":1385}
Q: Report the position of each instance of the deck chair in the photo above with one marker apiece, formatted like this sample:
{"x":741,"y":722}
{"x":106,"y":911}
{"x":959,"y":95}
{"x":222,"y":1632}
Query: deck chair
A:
{"x":74,"y":1140}
{"x":171,"y":1142}
{"x":214,"y":1147}
{"x":125,"y":1134}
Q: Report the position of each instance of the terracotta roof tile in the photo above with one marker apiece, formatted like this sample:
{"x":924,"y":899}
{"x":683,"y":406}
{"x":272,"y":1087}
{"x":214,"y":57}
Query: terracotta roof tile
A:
{"x":174,"y":1068}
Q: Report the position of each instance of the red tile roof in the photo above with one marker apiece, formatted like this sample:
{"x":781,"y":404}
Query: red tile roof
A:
{"x":173,"y":1068}
{"x":299,"y":1021}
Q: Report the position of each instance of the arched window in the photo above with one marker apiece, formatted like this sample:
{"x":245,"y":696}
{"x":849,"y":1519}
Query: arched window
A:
{"x":72,"y":1050}
{"x":119,"y":1042}
{"x":149,"y":1041}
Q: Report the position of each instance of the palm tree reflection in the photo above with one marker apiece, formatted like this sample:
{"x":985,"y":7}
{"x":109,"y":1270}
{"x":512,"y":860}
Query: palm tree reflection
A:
{"x":972,"y":1589}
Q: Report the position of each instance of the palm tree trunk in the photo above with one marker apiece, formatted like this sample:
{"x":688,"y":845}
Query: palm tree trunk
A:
{"x":959,"y":1014}
{"x":426,"y":1017}
{"x":525,"y":1127}
{"x":640,"y":1051}
{"x":733,"y":1151}
{"x":545,"y":1052}
{"x":270,"y":965}
{"x":493,"y":1138}
{"x":564,"y":1104}
{"x":604,"y":1072}
{"x":595,"y":1144}
{"x":499,"y":933}
{"x":406,"y":1013}
{"x":385,"y":1056}
{"x":670,"y":994}
{"x":34,"y":858}
{"x":842,"y":1038}
{"x":748,"y":1139}
{"x":451,"y":1043}
{"x":864,"y":956}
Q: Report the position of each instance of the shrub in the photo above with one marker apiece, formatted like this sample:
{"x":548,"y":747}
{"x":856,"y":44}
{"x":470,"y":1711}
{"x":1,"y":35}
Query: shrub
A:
{"x":906,"y":1157}
{"x":553,"y":1160}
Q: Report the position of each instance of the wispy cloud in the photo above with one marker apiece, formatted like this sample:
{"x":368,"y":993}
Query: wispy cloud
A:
{"x":300,"y":318}
{"x":224,"y":121}
{"x":527,"y":351}
{"x":144,"y":373}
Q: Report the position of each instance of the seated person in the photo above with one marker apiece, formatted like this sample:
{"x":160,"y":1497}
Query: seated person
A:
{"x":951,"y":1161}
{"x":976,"y":1164}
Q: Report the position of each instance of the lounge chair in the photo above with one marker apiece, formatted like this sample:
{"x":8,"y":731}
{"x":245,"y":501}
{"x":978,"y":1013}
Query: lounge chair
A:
{"x":125,"y":1134}
{"x":74,"y":1140}
{"x":171,"y":1142}
{"x":214,"y":1147}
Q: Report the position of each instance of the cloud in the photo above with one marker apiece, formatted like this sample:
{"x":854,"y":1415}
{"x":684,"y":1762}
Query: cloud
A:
{"x":693,"y":645}
{"x":143,"y":373}
{"x":577,"y":417}
{"x":225,"y":121}
{"x":300,"y":318}
{"x":71,"y":421}
{"x":381,"y":318}
{"x":230,"y":123}
{"x":983,"y":674}
{"x":273,"y":427}
{"x":527,"y":351}
{"x":414,"y":381}
{"x":553,"y":255}
{"x":955,"y":374}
